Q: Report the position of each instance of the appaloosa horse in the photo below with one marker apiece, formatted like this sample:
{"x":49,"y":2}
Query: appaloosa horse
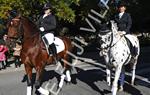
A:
{"x":117,"y":53}
{"x":34,"y":54}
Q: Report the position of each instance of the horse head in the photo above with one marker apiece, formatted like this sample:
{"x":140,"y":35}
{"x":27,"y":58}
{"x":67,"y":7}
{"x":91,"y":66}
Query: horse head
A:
{"x":14,"y":27}
{"x":20,"y":28}
{"x":13,"y":33}
{"x":108,"y":34}
{"x":104,"y":35}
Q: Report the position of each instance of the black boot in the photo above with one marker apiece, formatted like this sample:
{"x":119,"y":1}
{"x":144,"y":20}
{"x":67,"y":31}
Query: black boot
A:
{"x":52,"y":48}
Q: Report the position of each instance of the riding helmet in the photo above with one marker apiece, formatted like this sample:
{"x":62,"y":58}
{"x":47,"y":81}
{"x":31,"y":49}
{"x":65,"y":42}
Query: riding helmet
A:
{"x":47,"y":6}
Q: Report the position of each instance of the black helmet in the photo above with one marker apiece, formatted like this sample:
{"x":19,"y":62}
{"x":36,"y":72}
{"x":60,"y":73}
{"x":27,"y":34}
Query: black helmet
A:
{"x":122,"y":4}
{"x":47,"y":6}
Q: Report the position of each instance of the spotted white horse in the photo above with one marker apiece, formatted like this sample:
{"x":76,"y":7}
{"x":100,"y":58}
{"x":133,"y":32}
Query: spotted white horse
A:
{"x":117,"y":53}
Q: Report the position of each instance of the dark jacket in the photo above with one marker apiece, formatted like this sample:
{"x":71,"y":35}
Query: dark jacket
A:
{"x":124,"y":23}
{"x":49,"y":23}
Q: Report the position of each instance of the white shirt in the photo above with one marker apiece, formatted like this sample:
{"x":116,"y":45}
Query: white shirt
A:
{"x":45,"y":15}
{"x":121,"y":14}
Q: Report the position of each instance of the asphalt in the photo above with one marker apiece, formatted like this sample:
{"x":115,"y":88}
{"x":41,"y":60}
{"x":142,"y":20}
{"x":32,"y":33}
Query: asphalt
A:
{"x":87,"y":82}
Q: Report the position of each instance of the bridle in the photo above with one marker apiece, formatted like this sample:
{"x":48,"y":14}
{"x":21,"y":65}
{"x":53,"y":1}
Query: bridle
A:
{"x":111,"y":42}
{"x":19,"y":29}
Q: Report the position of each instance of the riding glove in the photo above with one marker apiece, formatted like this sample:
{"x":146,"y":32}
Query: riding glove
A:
{"x":42,"y":29}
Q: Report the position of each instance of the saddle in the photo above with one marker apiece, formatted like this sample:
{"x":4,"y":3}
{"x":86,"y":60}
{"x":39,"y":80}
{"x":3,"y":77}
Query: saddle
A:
{"x":58,"y":43}
{"x":133,"y":49}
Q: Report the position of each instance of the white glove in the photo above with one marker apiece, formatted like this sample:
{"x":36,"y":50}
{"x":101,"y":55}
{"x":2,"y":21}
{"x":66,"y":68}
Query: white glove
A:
{"x":123,"y":32}
{"x":42,"y":29}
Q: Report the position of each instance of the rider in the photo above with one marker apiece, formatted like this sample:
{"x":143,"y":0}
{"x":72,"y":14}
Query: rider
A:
{"x":123,"y":19}
{"x":124,"y":23}
{"x":47,"y":25}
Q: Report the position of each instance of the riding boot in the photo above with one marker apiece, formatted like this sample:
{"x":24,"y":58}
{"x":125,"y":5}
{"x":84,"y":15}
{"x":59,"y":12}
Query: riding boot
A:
{"x":54,"y":51}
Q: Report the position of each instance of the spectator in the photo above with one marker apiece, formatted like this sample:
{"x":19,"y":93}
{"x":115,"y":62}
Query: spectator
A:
{"x":16,"y":54}
{"x":3,"y":50}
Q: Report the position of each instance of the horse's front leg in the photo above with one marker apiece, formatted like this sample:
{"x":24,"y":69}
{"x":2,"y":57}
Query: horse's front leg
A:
{"x":39,"y":71}
{"x":108,"y":79}
{"x":29,"y":79}
{"x":115,"y":82}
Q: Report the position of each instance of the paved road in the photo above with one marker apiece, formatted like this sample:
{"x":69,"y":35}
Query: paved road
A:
{"x":12,"y":81}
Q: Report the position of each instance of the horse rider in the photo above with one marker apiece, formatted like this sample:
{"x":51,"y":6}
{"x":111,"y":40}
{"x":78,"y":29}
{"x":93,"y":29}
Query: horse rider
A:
{"x":123,"y":19}
{"x":47,"y":25}
{"x":124,"y":23}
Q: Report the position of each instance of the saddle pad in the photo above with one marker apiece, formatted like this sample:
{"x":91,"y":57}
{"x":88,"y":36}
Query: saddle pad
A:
{"x":132,"y":39}
{"x":59,"y":44}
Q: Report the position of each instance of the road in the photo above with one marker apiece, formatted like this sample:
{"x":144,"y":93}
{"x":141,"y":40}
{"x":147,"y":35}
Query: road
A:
{"x":91,"y":82}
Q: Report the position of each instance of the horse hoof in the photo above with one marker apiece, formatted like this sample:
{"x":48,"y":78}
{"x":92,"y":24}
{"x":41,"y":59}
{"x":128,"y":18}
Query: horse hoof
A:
{"x":59,"y":88}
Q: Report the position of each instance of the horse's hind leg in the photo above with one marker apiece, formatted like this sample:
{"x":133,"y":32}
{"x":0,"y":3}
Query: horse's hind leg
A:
{"x":68,"y":76}
{"x":29,"y":79}
{"x":133,"y":66}
{"x":66,"y":73}
{"x":67,"y":68}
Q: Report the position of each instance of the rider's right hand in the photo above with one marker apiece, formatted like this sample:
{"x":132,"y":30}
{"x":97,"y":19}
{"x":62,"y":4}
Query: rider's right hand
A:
{"x":42,"y":29}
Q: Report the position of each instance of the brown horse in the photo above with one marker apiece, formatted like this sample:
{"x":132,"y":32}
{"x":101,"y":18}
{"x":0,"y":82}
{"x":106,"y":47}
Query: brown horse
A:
{"x":33,"y":53}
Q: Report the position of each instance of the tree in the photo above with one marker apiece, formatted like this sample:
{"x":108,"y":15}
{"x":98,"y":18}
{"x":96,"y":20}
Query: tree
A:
{"x":33,"y":8}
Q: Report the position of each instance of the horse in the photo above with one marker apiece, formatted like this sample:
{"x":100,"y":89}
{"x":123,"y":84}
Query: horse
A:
{"x":34,"y":53}
{"x":118,"y":50}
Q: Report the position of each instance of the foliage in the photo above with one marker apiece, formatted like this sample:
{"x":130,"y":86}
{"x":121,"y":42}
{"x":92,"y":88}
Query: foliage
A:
{"x":32,"y":8}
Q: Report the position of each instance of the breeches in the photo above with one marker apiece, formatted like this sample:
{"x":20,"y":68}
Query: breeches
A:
{"x":48,"y":38}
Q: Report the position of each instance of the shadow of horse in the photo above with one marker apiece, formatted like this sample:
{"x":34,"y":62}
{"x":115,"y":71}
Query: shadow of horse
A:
{"x":90,"y":78}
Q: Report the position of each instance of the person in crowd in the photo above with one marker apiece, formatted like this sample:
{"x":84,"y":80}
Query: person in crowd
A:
{"x":16,"y":54}
{"x":3,"y":50}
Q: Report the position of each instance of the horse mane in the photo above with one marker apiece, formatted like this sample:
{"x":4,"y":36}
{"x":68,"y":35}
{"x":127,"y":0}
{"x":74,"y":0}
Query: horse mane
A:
{"x":32,"y":24}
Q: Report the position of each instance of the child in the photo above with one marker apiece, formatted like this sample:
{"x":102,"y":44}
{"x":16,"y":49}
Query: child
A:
{"x":3,"y":50}
{"x":16,"y":54}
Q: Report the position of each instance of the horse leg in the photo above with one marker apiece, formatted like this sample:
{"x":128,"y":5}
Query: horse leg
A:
{"x":62,"y":80}
{"x":68,"y":76}
{"x":67,"y":72}
{"x":67,"y":69}
{"x":115,"y":82}
{"x":29,"y":79}
{"x":108,"y":72}
{"x":133,"y":70}
{"x":39,"y":71}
